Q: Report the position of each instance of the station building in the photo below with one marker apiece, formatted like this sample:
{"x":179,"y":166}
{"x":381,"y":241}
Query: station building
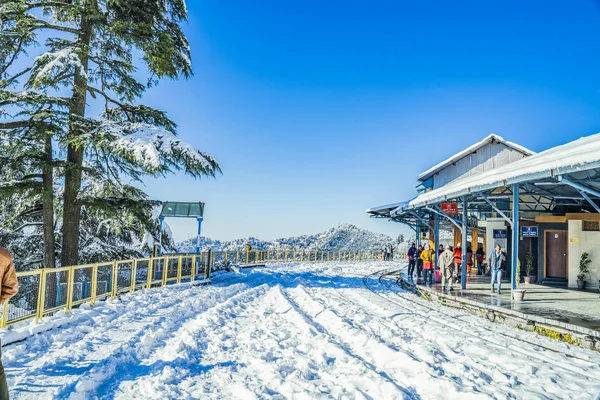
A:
{"x":498,"y":192}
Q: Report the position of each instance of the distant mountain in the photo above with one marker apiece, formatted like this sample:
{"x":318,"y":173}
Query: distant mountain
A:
{"x":344,"y":237}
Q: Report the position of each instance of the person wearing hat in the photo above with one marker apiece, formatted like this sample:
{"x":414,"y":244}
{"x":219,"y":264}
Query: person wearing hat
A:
{"x":427,"y":257}
{"x":412,"y":261}
{"x":446,"y":264}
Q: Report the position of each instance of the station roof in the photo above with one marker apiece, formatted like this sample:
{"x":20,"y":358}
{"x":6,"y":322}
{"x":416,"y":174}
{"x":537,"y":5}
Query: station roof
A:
{"x":577,"y":161}
{"x":577,"y":156}
{"x":492,"y":138}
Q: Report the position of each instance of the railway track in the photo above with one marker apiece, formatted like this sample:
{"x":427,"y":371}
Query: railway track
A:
{"x":392,"y":293}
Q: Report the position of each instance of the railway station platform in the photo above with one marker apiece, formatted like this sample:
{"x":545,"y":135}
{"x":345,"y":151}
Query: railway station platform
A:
{"x":569,"y":315}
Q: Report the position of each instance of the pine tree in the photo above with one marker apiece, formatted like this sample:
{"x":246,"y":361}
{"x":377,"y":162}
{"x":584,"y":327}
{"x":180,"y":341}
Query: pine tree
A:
{"x":88,"y":57}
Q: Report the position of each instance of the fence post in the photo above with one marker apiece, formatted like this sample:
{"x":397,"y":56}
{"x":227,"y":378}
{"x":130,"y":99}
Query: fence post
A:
{"x":41,"y":297}
{"x":4,"y":315}
{"x":115,"y":270}
{"x":179,"y":265}
{"x":70,"y":284}
{"x":133,"y":276}
{"x":208,"y":266}
{"x":165,"y":270}
{"x":94,"y":288}
{"x":150,"y":268}
{"x":193,"y":273}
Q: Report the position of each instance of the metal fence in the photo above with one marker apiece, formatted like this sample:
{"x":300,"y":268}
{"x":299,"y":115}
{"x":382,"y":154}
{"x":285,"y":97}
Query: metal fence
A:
{"x":43,"y":292}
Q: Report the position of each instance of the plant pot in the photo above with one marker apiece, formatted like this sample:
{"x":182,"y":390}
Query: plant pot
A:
{"x":530,"y":279}
{"x":581,"y":284}
{"x":518,"y":294}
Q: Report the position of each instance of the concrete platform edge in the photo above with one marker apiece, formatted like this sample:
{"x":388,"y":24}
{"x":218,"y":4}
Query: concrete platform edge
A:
{"x":573,"y":334}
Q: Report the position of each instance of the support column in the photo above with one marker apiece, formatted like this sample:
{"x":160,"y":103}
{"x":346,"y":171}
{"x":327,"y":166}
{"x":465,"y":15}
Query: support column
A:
{"x":199,"y":219}
{"x":436,"y":233}
{"x":463,"y":275}
{"x":514,"y":259}
{"x":418,"y":233}
{"x":160,"y":231}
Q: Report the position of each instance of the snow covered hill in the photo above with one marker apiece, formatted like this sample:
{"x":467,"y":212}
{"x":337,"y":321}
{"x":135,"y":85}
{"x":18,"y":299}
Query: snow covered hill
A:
{"x":344,"y":237}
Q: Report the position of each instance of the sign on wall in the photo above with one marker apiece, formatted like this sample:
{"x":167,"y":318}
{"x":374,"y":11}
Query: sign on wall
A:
{"x":450,"y":208}
{"x":500,"y":234}
{"x":529,"y":231}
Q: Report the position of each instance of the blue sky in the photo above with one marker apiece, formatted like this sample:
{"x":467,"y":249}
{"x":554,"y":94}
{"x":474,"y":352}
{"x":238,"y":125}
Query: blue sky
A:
{"x":319,"y":110}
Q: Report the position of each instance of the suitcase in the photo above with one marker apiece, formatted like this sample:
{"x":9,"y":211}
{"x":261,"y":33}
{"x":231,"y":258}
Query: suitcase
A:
{"x":437,"y":277}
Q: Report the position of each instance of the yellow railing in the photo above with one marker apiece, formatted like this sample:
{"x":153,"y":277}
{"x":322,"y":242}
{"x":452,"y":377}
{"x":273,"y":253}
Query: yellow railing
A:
{"x":43,"y":292}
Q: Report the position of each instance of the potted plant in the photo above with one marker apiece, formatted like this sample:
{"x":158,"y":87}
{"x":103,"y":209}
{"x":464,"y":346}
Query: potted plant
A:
{"x":584,"y":263}
{"x":529,"y":268}
{"x":518,"y":294}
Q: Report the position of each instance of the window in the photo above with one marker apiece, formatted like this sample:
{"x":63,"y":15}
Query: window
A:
{"x":591,"y":226}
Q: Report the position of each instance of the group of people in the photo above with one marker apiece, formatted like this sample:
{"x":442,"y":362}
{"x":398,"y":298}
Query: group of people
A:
{"x":387,"y":252}
{"x":421,"y":260}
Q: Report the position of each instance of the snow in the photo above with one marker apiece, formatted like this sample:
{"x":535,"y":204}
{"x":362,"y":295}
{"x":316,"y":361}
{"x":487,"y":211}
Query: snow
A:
{"x":54,"y":63}
{"x":575,"y":156}
{"x":148,"y":145}
{"x":491,"y":137}
{"x":290,"y":331}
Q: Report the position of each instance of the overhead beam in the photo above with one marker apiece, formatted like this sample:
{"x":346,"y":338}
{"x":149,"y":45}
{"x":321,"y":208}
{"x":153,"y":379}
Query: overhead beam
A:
{"x":484,"y":197}
{"x":441,"y":214}
{"x":582,"y":189}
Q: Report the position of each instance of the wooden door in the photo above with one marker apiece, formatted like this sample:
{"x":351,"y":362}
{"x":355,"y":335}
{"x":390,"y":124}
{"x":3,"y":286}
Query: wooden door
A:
{"x":556,"y":254}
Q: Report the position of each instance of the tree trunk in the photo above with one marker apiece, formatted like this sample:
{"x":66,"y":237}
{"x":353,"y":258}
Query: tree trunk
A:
{"x":73,"y":174}
{"x":48,"y":204}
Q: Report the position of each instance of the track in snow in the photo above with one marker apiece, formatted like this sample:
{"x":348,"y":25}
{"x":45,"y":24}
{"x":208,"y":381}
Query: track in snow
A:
{"x":298,"y":330}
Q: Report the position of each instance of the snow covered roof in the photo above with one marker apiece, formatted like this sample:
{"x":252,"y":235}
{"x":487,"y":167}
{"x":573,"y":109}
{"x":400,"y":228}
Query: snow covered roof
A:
{"x":492,"y":138}
{"x":577,"y":156}
{"x":385,"y":209}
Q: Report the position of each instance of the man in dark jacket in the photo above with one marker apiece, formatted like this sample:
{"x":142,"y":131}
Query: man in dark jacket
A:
{"x":496,"y":265}
{"x":411,"y":254}
{"x":9,"y":286}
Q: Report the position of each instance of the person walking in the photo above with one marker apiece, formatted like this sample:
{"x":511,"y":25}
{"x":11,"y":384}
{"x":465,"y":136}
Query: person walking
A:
{"x":469,"y":261}
{"x":411,"y":255}
{"x":479,"y":257}
{"x":446,"y":265}
{"x":391,"y":252}
{"x":419,"y":262}
{"x":384,"y":252}
{"x":496,"y":265}
{"x":427,"y":257}
{"x":458,"y":260}
{"x":10,"y":286}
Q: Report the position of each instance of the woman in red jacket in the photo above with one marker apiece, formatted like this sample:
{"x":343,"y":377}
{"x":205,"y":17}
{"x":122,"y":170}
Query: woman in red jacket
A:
{"x":458,"y":260}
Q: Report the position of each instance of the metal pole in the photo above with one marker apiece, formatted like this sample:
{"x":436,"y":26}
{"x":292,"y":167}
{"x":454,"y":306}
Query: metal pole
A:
{"x":418,"y":232}
{"x":463,"y":275}
{"x":198,"y":237}
{"x":436,"y":232}
{"x":160,"y":231}
{"x":514,"y":279}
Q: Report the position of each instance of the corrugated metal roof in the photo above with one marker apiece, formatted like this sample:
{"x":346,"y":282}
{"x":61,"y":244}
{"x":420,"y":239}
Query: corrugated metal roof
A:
{"x":492,"y":138}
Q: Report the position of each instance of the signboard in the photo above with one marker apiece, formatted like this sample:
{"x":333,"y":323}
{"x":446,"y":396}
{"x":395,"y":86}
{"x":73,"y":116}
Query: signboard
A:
{"x":529,"y":231}
{"x":450,"y":208}
{"x":184,"y":210}
{"x":500,"y":234}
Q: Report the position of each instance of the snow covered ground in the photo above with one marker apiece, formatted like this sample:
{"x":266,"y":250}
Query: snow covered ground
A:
{"x":305,"y":331}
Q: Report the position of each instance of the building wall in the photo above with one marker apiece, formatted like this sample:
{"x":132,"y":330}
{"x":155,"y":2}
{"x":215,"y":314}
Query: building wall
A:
{"x":542,"y":227}
{"x":579,"y":242}
{"x":491,"y":224}
{"x":490,"y":156}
